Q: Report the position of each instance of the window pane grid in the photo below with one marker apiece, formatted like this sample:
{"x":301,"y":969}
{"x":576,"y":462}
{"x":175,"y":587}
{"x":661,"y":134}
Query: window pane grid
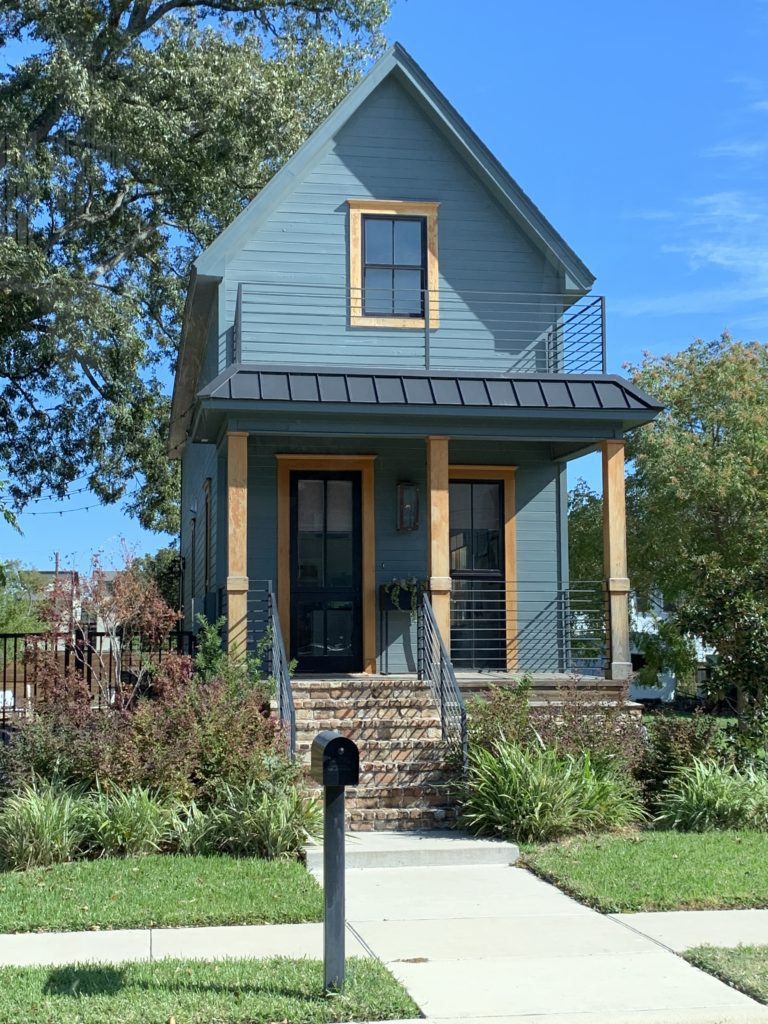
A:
{"x":394,"y":268}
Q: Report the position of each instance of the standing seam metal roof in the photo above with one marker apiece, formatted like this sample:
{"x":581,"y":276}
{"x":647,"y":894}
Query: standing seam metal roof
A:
{"x":377,"y":387}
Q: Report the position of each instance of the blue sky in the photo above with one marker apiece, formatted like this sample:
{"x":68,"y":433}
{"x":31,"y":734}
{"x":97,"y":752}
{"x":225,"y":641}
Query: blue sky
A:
{"x":641,"y":132}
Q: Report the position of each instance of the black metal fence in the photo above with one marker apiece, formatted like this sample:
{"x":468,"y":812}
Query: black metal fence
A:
{"x":436,"y":669}
{"x":107,"y":664}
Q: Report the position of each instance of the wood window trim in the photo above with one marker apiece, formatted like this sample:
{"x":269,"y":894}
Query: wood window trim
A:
{"x":507,"y":475}
{"x":286,"y":464}
{"x":390,"y":208}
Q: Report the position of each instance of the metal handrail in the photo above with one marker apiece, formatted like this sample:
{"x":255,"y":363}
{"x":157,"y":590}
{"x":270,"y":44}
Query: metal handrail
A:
{"x":286,"y":709}
{"x":436,"y":669}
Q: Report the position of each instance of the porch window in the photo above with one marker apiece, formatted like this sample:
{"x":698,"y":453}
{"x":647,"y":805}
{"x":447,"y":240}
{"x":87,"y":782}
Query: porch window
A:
{"x":393,"y":272}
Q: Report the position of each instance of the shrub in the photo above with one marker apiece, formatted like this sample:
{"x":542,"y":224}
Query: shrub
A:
{"x":503,"y":715}
{"x":262,"y":820}
{"x":127,"y":823}
{"x":578,"y":722}
{"x":582,"y":721}
{"x":40,"y":826}
{"x":674,"y":743}
{"x":530,"y":794}
{"x":181,"y":742}
{"x":704,"y":797}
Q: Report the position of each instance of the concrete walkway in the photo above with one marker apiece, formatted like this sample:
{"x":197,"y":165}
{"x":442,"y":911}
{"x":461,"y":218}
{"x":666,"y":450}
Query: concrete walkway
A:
{"x":684,"y":929}
{"x":480,"y":942}
{"x":498,"y":944}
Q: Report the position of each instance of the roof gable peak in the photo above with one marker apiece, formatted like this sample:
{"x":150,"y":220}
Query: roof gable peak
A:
{"x":398,"y":62}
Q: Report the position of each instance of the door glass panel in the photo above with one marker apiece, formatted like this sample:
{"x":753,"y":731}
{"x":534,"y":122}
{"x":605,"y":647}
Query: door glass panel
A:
{"x":378,"y":240}
{"x":311,"y":512}
{"x":460,"y":521}
{"x":339,"y":506}
{"x":339,"y":538}
{"x":486,"y":515}
{"x":378,"y":292}
{"x":310,"y":628}
{"x":339,"y":625}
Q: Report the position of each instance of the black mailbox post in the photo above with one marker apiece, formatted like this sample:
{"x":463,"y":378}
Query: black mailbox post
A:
{"x":335,"y":764}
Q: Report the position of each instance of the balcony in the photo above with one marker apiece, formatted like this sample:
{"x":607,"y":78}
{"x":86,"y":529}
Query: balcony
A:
{"x":494,"y":332}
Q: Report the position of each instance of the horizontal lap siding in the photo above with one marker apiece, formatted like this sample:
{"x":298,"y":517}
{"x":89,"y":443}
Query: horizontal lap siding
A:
{"x":388,"y":150}
{"x":199,"y":462}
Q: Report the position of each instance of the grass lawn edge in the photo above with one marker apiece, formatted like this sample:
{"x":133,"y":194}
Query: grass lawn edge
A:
{"x":723,"y":963}
{"x":234,"y":991}
{"x":656,"y":871}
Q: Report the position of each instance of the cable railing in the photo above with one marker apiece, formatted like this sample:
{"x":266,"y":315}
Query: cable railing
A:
{"x":445,"y":329}
{"x":436,"y":670}
{"x":529,"y":627}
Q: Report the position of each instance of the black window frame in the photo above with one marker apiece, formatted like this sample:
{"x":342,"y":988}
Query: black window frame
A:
{"x":422,"y":267}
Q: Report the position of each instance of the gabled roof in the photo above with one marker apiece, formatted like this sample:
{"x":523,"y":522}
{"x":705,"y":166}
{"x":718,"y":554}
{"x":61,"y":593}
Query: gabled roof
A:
{"x":398,"y":63}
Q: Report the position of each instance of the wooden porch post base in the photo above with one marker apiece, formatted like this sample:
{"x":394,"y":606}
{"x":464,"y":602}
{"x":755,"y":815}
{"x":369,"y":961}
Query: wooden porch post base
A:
{"x":615,"y":559}
{"x":237,"y":542}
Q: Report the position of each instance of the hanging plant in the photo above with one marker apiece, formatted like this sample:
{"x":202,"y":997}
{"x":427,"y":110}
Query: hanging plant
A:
{"x":404,"y":594}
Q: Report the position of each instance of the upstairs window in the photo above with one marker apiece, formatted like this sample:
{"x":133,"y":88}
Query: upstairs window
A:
{"x":393,"y":272}
{"x":394,"y":265}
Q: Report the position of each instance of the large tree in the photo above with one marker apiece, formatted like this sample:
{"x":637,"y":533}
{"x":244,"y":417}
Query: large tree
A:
{"x":698,"y":483}
{"x":698,"y":505}
{"x":131,"y":134}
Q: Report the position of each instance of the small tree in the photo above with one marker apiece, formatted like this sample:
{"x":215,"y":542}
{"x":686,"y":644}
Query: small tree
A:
{"x":21,"y":599}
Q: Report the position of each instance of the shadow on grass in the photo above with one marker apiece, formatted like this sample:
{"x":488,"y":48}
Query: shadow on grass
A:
{"x":84,"y":981}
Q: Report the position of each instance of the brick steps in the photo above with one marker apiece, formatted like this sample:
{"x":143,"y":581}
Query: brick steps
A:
{"x":405,"y":777}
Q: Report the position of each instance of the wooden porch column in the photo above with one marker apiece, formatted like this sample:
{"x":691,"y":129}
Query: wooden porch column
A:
{"x":439,"y":545}
{"x":237,"y":541}
{"x":615,"y":559}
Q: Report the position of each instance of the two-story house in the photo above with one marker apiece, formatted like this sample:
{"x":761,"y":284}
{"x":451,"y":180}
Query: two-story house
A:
{"x":387,"y":361}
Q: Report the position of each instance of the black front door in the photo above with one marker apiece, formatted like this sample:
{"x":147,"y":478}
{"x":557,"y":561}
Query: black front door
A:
{"x":478,"y":599}
{"x":326,"y":574}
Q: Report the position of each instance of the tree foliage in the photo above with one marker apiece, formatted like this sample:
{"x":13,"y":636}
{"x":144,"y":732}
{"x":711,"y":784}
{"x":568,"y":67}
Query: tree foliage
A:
{"x":164,"y":569}
{"x":698,"y":502}
{"x":131,"y":135}
{"x":22,"y":595}
{"x":585,"y":532}
{"x":698,"y":487}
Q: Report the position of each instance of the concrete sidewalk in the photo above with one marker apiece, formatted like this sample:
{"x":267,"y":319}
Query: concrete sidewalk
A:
{"x":684,"y":929}
{"x":498,"y":944}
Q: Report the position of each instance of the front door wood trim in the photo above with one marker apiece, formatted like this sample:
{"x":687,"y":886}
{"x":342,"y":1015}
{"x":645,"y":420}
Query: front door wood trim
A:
{"x":507,"y":476}
{"x":286,"y":464}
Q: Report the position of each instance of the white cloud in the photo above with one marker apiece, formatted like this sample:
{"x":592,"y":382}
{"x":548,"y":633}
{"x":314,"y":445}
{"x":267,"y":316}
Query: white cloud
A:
{"x":723,"y":231}
{"x":759,"y":105}
{"x":737,"y":148}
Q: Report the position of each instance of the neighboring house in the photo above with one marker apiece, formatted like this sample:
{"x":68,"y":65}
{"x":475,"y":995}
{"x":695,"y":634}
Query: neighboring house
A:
{"x":645,"y":616}
{"x":387,"y":361}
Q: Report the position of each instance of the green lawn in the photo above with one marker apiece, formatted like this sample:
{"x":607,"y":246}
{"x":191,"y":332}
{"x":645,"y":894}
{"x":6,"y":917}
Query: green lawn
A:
{"x":162,"y":891}
{"x":658,"y":870}
{"x":745,"y":968}
{"x":198,"y":992}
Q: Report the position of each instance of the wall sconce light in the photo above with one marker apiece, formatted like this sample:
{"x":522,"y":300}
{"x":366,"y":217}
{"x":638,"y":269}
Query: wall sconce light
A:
{"x":407,"y":506}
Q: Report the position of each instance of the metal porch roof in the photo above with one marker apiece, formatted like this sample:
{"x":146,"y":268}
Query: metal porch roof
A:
{"x":560,"y":392}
